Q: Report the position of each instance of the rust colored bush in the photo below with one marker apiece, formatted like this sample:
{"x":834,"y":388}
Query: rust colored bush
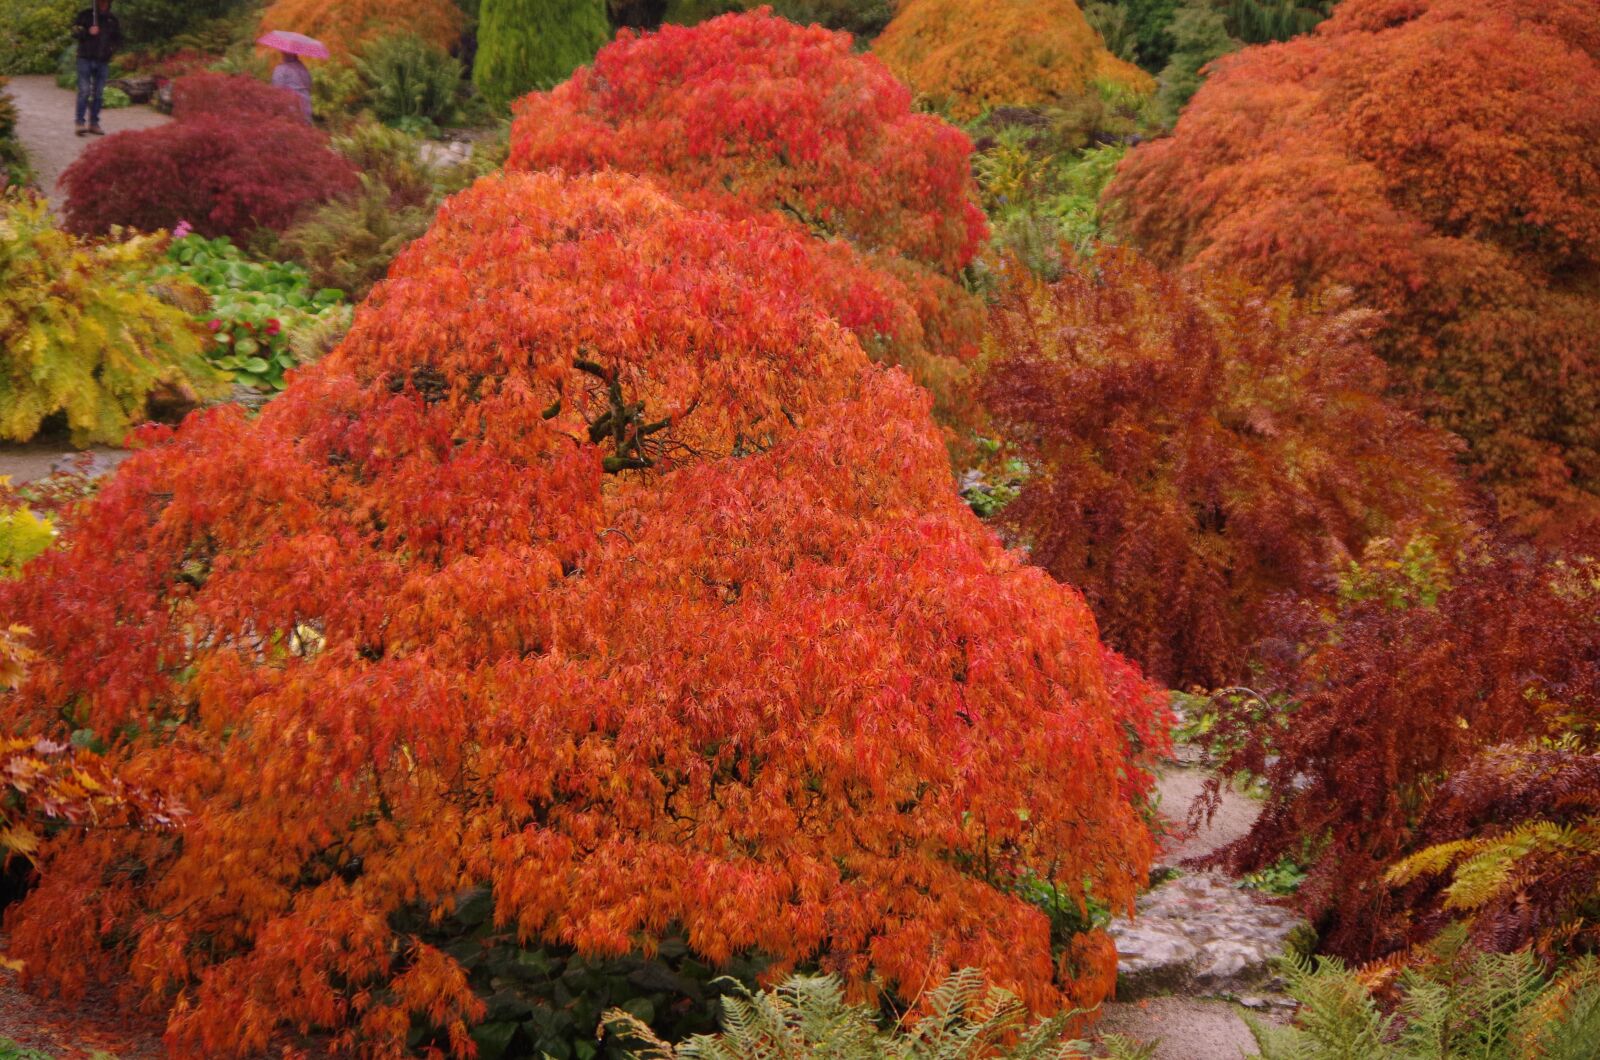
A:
{"x":1442,"y":159}
{"x":970,"y":56}
{"x":1414,"y":721}
{"x":345,"y":25}
{"x":753,"y":115}
{"x":1200,"y":450}
{"x":599,"y":565}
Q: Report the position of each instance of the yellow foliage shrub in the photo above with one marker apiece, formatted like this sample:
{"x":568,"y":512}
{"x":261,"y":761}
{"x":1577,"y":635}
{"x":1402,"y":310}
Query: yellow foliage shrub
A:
{"x":23,"y":535}
{"x":344,"y":25}
{"x":81,"y":335}
{"x":969,"y":56}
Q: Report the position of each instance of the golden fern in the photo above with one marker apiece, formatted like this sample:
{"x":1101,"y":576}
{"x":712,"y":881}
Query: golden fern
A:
{"x":1484,"y":866}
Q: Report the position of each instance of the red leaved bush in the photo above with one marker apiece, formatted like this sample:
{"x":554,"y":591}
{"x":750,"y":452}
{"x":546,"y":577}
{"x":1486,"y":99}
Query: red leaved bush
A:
{"x":236,"y":96}
{"x":1512,"y":843}
{"x":1394,"y":709}
{"x":753,"y":115}
{"x":1441,"y":158}
{"x":238,"y":158}
{"x":598,"y":564}
{"x":1200,"y":449}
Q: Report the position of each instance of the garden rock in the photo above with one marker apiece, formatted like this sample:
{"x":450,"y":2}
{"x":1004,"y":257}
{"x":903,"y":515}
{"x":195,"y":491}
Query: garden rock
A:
{"x":137,"y":89}
{"x":1203,"y":935}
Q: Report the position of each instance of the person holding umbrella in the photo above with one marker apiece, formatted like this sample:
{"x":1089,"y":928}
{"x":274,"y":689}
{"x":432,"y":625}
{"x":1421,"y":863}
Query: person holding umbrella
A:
{"x":291,"y":73}
{"x":99,"y":35}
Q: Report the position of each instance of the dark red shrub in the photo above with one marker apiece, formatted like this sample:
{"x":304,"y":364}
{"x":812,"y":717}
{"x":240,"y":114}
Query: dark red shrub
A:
{"x":1395,"y":706}
{"x":224,"y":175}
{"x":231,"y":96}
{"x":1200,"y":449}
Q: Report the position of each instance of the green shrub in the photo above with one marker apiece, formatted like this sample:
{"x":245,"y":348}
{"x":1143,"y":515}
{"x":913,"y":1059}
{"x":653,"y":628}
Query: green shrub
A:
{"x":394,"y":158}
{"x":409,"y":80}
{"x":14,"y":169}
{"x":1115,"y":28}
{"x":23,"y":535}
{"x":1456,"y":1003}
{"x":1199,"y":35}
{"x":255,"y":307}
{"x":349,"y":243}
{"x":161,"y":22}
{"x":82,"y":336}
{"x":10,"y":1050}
{"x":524,"y":45}
{"x":864,"y":18}
{"x":32,"y":33}
{"x":807,"y":1016}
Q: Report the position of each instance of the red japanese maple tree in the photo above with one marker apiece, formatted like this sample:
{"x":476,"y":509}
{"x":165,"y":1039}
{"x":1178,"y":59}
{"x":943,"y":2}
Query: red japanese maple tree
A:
{"x":755,"y":116}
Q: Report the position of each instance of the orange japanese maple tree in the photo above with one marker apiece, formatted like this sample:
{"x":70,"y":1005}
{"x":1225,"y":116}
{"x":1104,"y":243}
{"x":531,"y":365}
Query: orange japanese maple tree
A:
{"x":344,"y":25}
{"x":600,"y":565}
{"x":970,"y":56}
{"x":1201,"y":451}
{"x":1441,"y":158}
{"x":755,"y":116}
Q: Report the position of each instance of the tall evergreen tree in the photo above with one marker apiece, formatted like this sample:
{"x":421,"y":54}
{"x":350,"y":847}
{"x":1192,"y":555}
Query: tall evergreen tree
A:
{"x":525,"y":45}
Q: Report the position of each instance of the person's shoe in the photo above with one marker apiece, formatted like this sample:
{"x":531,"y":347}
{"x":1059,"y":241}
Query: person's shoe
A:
{"x":83,"y":130}
{"x":95,"y":130}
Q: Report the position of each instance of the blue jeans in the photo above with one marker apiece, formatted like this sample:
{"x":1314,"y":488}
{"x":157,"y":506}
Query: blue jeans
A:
{"x":92,"y":75}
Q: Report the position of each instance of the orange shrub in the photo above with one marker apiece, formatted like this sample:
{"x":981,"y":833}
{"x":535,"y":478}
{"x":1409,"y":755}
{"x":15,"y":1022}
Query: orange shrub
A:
{"x":1442,"y":159}
{"x":598,"y":565}
{"x":753,"y":115}
{"x":344,"y":25}
{"x":970,"y":56}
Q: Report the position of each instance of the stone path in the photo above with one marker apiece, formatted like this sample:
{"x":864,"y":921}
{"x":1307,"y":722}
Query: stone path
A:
{"x":27,"y":461}
{"x":44,"y":125}
{"x":1196,"y":936}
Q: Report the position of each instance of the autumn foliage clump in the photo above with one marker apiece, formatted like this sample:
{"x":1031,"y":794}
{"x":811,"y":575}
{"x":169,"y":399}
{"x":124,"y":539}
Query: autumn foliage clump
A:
{"x":757,"y":117}
{"x":238,"y":158}
{"x":236,"y":96}
{"x":1199,"y":450}
{"x":1443,"y":713}
{"x":1442,"y":159}
{"x":970,"y":56}
{"x":345,"y":25}
{"x":598,"y":565}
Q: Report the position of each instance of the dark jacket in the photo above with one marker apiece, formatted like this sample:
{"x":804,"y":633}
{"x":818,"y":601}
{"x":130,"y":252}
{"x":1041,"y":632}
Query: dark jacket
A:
{"x":97,"y":46}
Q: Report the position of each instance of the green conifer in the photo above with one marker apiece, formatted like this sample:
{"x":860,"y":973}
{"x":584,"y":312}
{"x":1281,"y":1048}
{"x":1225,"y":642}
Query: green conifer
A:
{"x":527,"y":45}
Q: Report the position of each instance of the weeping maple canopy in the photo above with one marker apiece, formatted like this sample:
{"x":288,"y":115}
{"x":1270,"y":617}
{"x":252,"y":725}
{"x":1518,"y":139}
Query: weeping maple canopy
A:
{"x":344,"y":25}
{"x":598,"y":564}
{"x":1200,"y":451}
{"x":1442,"y":159}
{"x":755,"y":116}
{"x":970,"y":56}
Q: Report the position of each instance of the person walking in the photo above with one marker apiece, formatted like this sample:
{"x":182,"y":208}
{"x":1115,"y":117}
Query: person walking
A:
{"x":291,"y":73}
{"x":99,"y":35}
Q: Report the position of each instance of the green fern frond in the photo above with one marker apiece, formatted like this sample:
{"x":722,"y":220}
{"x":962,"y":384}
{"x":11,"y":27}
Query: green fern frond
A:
{"x":809,"y":1018}
{"x":1338,"y":1020}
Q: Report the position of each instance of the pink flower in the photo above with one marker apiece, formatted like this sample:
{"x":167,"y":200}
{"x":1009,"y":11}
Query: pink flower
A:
{"x":181,"y":229}
{"x":214,"y":325}
{"x":273,"y":327}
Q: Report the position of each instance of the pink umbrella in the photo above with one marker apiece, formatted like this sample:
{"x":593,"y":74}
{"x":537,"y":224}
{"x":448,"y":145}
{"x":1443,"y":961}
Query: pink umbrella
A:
{"x":294,"y":44}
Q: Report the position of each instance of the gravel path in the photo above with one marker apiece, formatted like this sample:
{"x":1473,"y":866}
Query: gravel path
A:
{"x":44,"y":125}
{"x":1188,"y":1028}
